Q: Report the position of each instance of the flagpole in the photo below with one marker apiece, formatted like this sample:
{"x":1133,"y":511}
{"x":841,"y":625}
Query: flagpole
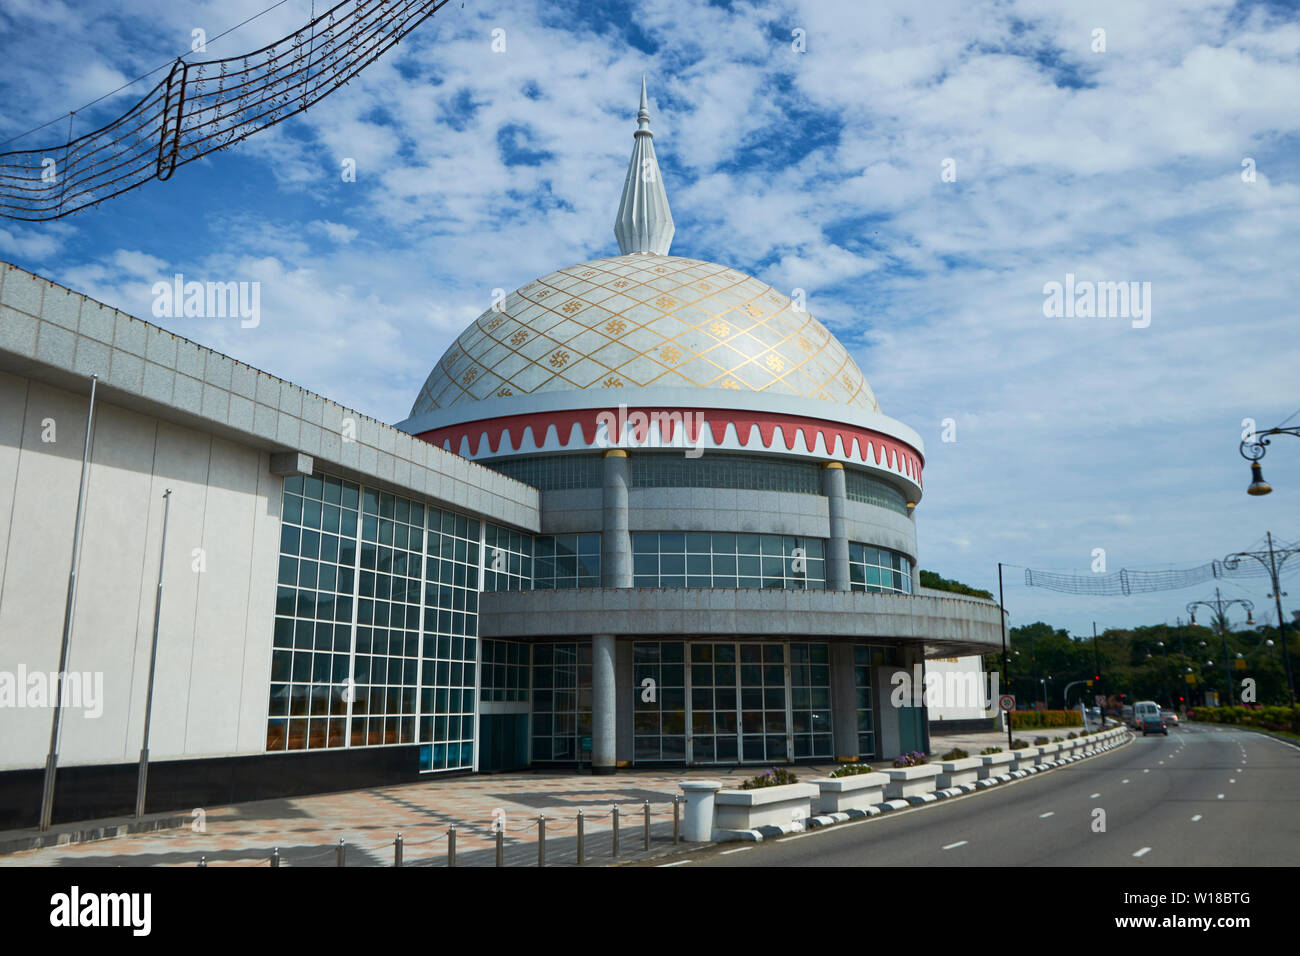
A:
{"x":52,"y":758}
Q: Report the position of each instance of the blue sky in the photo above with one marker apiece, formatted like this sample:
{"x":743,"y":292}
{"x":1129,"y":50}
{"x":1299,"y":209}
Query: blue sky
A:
{"x":817,"y":170}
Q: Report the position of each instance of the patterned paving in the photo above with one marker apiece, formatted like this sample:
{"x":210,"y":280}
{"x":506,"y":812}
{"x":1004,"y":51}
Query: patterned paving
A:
{"x":641,"y":320}
{"x":306,"y":830}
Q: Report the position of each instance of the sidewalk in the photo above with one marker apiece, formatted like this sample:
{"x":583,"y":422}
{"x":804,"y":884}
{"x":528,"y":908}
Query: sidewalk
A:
{"x":307,"y":829}
{"x":973,"y":743}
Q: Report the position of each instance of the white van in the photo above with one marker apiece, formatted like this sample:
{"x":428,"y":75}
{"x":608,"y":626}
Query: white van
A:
{"x":1145,"y":708}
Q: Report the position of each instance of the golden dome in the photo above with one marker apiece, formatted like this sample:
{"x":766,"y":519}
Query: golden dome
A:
{"x":641,"y":321}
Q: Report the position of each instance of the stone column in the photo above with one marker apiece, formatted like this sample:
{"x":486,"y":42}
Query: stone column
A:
{"x":837,"y":542}
{"x":603,"y":704}
{"x":616,"y":541}
{"x":844,"y":700}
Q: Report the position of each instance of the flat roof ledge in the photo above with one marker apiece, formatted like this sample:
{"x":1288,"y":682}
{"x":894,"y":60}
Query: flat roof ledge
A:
{"x":938,"y":622}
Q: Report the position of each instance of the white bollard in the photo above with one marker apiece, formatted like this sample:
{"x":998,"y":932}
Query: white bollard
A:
{"x":697,"y":821}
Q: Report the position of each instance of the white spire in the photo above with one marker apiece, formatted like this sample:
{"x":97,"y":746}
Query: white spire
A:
{"x":644,"y":223}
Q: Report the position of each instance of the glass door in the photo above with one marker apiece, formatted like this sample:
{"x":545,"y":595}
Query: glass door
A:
{"x":739,"y":696}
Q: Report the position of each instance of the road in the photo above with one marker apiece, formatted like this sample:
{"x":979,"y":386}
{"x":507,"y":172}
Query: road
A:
{"x":1206,"y":796}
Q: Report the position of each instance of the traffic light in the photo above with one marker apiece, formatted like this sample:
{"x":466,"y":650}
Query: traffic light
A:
{"x":1096,"y":677}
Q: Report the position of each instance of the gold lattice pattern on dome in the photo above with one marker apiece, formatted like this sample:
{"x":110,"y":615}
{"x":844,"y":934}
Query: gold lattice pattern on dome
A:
{"x":645,"y":321}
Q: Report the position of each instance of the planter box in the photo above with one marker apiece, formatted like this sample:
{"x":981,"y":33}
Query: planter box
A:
{"x":907,"y":782}
{"x":768,"y":806}
{"x":994,"y":765}
{"x":957,"y":773}
{"x":1024,"y":758}
{"x":858,"y":792}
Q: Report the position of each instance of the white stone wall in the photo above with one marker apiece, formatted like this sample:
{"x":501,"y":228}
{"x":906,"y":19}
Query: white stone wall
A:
{"x":214,"y":651}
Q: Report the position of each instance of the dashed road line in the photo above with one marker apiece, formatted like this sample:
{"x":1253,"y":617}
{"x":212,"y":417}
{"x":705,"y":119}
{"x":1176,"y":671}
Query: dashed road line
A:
{"x":1049,"y":813}
{"x":1143,"y":852}
{"x":953,"y":846}
{"x":741,"y":849}
{"x":678,"y":863}
{"x":1196,"y":819}
{"x":1093,"y":796}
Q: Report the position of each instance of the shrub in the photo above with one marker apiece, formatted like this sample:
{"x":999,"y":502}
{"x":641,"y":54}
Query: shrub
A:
{"x":1071,"y":736}
{"x":914,"y":759}
{"x":955,"y":754}
{"x":991,"y":750}
{"x":1018,"y":744}
{"x":1046,"y":719}
{"x":1039,"y":741}
{"x":775,"y":777}
{"x":851,"y":769}
{"x":1059,"y":740}
{"x":1254,"y":715}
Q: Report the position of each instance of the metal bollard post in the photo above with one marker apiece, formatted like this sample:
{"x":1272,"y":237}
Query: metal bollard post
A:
{"x":275,"y":856}
{"x":203,"y":861}
{"x":580,"y":838}
{"x":615,"y":830}
{"x":451,"y":846}
{"x":541,"y":840}
{"x":397,"y":851}
{"x":647,"y":824}
{"x":341,"y":853}
{"x":501,"y":847}
{"x":677,"y":821}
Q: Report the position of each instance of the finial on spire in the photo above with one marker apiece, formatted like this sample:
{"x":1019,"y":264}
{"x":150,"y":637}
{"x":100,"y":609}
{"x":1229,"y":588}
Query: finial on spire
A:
{"x":644,"y":223}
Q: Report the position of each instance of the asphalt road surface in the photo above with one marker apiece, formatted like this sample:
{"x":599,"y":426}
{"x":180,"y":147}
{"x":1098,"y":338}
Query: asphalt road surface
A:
{"x":1205,"y":796}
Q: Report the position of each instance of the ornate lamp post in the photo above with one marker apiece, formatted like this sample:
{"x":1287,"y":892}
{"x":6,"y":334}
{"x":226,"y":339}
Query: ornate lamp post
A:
{"x":1220,"y":608}
{"x":1254,"y":448}
{"x":1272,"y":561}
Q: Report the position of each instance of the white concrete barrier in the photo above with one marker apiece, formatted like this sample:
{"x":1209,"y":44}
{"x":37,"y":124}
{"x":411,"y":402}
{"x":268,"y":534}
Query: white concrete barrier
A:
{"x":766,"y":806}
{"x":907,"y":782}
{"x":994,"y":765}
{"x":959,"y":773}
{"x":697,"y":818}
{"x":1024,"y":758}
{"x":857,"y":792}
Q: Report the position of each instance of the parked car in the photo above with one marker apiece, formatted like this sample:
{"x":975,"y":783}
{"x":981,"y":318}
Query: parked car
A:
{"x":1170,"y":717}
{"x":1153,"y":723}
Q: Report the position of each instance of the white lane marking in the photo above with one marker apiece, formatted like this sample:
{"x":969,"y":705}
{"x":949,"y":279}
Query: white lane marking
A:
{"x":953,"y":846}
{"x":1219,"y":797}
{"x":737,"y":850}
{"x":1232,"y":780}
{"x":678,"y":863}
{"x":1093,"y":796}
{"x":1196,"y":818}
{"x":1123,"y":781}
{"x":1162,"y":763}
{"x":1146,"y":771}
{"x":1143,"y":852}
{"x":1049,"y":813}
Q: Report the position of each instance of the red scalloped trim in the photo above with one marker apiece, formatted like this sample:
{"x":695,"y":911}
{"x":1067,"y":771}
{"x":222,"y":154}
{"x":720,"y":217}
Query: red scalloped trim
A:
{"x":889,"y":452}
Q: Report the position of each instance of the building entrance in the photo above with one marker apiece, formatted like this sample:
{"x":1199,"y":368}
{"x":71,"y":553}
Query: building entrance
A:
{"x":748,"y":702}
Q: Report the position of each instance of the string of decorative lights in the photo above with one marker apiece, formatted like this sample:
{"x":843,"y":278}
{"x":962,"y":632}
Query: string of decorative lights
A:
{"x":203,"y":107}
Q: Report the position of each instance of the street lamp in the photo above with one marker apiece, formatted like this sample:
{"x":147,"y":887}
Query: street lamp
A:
{"x":1254,"y":448}
{"x":1220,"y":608}
{"x":1272,"y":560}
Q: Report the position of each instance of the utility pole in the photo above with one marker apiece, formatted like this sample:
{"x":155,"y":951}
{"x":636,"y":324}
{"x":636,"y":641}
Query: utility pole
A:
{"x":1096,"y":662}
{"x":1006,"y":661}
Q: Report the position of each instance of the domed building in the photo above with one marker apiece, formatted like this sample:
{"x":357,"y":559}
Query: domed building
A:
{"x":728,"y":559}
{"x":646,"y":511}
